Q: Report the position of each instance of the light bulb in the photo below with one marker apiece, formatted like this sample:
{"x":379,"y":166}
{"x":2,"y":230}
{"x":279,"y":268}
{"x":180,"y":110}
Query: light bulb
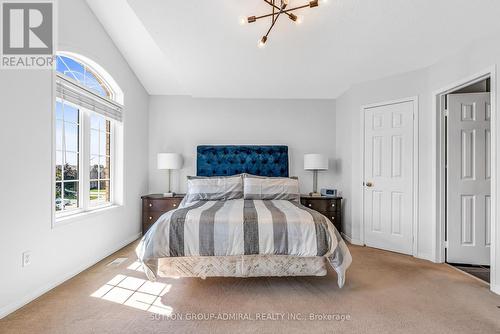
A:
{"x":262,"y":42}
{"x":243,"y":20}
{"x":300,"y":19}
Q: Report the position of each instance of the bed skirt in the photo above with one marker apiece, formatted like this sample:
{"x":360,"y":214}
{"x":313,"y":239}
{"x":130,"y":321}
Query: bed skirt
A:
{"x":241,"y":266}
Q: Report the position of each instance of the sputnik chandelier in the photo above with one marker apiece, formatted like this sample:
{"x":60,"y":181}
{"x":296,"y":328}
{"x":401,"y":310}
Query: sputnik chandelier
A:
{"x":279,"y":7}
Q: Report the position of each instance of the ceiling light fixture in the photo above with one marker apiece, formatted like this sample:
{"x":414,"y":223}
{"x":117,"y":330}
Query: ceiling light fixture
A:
{"x":277,"y":11}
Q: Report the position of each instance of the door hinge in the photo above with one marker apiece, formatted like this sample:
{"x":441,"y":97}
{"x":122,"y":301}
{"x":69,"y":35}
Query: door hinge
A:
{"x":446,"y":244}
{"x":446,"y":113}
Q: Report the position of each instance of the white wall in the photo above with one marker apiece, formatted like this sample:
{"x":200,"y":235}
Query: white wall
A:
{"x":26,"y":169}
{"x":422,"y":83}
{"x":179,"y":124}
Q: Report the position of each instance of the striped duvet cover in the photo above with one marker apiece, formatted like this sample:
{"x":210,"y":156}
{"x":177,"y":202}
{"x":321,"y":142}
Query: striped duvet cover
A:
{"x":245,"y":227}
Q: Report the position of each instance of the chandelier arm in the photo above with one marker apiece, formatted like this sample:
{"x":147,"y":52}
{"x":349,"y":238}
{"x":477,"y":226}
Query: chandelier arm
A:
{"x":295,"y":8}
{"x":284,"y":12}
{"x":264,"y":16}
{"x":274,"y":7}
{"x":276,"y":19}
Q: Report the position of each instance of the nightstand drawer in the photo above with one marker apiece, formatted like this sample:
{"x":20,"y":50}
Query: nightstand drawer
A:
{"x":149,"y":218}
{"x":154,"y":205}
{"x":161,"y":204}
{"x":322,"y":204}
{"x":334,"y":218}
{"x":330,"y":207}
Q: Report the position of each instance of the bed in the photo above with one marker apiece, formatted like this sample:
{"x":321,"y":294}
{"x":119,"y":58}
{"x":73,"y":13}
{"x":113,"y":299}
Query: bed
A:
{"x":252,"y":230}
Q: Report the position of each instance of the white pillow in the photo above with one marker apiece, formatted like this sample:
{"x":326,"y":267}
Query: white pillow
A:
{"x":268,"y":188}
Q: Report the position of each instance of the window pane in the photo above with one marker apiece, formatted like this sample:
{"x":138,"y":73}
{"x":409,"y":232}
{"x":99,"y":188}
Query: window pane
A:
{"x":94,"y":190}
{"x":59,"y":165}
{"x":70,"y":195}
{"x":60,"y":66}
{"x":94,"y":121}
{"x":70,"y":113}
{"x":95,"y":197}
{"x":59,"y":134}
{"x":82,"y":74}
{"x":94,"y":84}
{"x":105,"y":191}
{"x":99,"y":192}
{"x":102,"y":143}
{"x":104,"y":164}
{"x":94,"y":142}
{"x":71,"y":166}
{"x":59,"y":110}
{"x":94,"y":167}
{"x":59,"y":205}
{"x":70,"y":137}
{"x":102,"y":123}
{"x":69,"y":67}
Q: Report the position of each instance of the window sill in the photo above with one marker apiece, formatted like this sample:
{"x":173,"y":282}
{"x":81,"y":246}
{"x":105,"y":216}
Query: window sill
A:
{"x":77,"y":216}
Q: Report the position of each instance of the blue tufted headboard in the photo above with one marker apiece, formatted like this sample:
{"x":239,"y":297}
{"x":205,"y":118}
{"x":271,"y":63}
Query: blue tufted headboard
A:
{"x":236,"y":159}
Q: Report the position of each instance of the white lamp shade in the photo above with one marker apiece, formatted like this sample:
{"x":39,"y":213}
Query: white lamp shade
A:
{"x":315,"y":162}
{"x":170,"y":161}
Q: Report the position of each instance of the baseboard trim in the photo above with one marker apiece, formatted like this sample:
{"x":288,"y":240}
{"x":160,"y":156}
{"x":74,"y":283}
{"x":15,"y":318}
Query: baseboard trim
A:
{"x":351,"y":240}
{"x":6,"y":310}
{"x":495,"y":288}
{"x":425,"y":256}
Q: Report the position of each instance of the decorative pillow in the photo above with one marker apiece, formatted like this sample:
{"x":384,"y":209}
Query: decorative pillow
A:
{"x":267,"y":188}
{"x":213,"y":188}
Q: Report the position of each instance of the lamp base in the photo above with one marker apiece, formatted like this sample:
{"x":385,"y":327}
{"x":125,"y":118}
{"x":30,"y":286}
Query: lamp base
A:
{"x":313,"y":194}
{"x":169,"y":194}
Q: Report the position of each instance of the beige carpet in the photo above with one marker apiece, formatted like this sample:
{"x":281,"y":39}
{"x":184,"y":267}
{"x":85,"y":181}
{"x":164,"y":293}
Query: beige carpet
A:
{"x":385,"y":293}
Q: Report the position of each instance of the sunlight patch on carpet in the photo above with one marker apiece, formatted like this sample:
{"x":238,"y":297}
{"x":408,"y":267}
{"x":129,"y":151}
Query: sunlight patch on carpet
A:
{"x":137,"y":266}
{"x":135,"y":292}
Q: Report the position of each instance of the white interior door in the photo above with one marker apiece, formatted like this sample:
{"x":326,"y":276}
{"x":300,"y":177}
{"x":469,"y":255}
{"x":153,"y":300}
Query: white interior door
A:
{"x":388,"y":177}
{"x":469,"y":172}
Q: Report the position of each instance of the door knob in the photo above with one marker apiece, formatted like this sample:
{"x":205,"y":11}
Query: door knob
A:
{"x":369,"y":184}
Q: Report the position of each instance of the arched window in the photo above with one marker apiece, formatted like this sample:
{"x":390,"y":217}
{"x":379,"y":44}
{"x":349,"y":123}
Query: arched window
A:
{"x":88,"y":109}
{"x":82,"y":74}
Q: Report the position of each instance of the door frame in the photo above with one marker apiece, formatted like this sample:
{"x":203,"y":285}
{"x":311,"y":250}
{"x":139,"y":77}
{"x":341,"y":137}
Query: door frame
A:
{"x":414,"y":192}
{"x":439,"y":158}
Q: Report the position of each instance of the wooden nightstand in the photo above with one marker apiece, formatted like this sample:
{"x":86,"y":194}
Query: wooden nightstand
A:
{"x":153,"y":206}
{"x":331,"y":207}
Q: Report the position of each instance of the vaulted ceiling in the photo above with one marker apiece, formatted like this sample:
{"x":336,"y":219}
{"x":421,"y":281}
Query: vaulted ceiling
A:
{"x":199,"y":48}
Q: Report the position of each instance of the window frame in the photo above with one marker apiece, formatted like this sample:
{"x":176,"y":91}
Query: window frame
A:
{"x":84,"y":212}
{"x":84,"y":166}
{"x":111,"y":166}
{"x":77,"y":210}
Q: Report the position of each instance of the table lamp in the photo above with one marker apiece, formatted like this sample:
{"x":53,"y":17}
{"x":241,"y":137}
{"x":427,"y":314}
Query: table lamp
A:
{"x":315,"y":162}
{"x":169,"y":161}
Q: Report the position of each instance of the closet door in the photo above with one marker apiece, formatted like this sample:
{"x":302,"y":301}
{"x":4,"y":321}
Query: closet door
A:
{"x":388,"y":176}
{"x":469,"y":179}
